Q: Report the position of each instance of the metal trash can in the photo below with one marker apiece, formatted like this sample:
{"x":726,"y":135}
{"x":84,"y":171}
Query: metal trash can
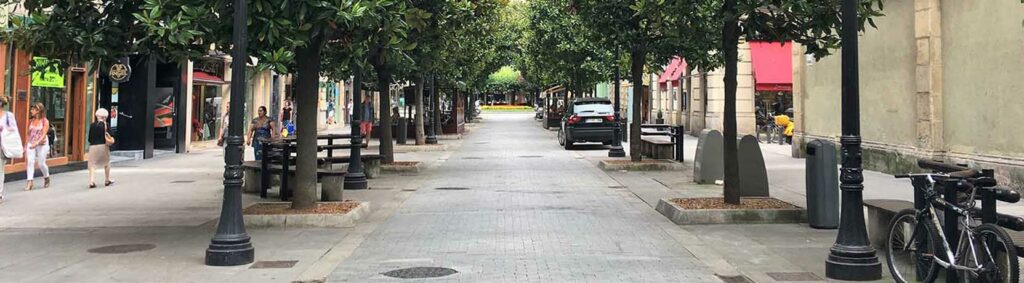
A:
{"x":822,"y":185}
{"x":402,"y":131}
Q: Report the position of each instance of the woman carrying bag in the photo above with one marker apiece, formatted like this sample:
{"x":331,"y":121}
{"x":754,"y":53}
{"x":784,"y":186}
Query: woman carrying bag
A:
{"x":37,"y":147}
{"x":10,"y":140}
{"x":99,"y":148}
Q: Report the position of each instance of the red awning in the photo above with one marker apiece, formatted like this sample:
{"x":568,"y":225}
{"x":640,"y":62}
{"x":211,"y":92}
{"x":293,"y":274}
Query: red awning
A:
{"x":773,"y":65}
{"x":675,"y":69}
{"x":206,"y":78}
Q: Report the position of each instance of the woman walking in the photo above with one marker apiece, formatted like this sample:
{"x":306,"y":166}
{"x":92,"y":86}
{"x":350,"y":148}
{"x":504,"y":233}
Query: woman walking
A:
{"x":7,"y":123}
{"x":260,"y":131}
{"x":99,"y":148}
{"x":37,"y":146}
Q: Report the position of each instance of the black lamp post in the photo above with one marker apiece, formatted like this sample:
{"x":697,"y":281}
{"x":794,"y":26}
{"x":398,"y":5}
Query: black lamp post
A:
{"x":355,"y":179}
{"x":231,"y":246}
{"x":617,"y":150}
{"x":852,"y":257}
{"x":432,"y":131}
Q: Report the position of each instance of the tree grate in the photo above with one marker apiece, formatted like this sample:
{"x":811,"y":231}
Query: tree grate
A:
{"x":122,"y":249}
{"x":273,"y":264}
{"x":794,"y":276}
{"x":420,"y":272}
{"x":734,"y":279}
{"x":451,"y":189}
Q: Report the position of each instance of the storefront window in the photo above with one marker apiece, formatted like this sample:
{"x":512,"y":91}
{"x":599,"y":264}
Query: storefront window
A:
{"x":48,"y":89}
{"x":206,"y":112}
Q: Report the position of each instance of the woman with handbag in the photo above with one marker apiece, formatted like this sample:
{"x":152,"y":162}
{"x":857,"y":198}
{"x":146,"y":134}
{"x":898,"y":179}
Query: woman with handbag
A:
{"x":37,"y":147}
{"x":9,"y":140}
{"x":99,"y":148}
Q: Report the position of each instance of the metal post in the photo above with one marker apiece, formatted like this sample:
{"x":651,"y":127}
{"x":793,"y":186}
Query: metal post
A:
{"x":355,"y":179}
{"x":678,"y":136}
{"x":230,"y":246}
{"x":616,"y":150}
{"x":951,"y":225}
{"x":432,"y":130}
{"x":264,"y":171}
{"x":286,"y":154}
{"x":852,"y":257}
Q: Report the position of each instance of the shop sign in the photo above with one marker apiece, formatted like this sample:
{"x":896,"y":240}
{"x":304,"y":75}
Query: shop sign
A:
{"x":52,"y":76}
{"x":120,"y":72}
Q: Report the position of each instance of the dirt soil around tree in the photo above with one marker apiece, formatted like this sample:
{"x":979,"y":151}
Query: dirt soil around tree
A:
{"x":286,"y":208}
{"x":719,"y":203}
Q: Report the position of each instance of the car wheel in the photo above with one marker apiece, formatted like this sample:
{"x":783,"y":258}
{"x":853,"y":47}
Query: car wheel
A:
{"x":561,"y":137}
{"x":568,"y":144}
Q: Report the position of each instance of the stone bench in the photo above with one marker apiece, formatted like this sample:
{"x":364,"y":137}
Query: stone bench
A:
{"x":657,"y":147}
{"x":332,"y":181}
{"x":879,"y":214}
{"x":371,"y":163}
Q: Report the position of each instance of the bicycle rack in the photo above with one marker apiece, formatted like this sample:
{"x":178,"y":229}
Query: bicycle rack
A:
{"x":989,"y":198}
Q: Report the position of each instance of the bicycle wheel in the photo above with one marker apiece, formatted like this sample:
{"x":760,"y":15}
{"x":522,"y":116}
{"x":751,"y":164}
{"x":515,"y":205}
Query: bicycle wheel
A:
{"x":909,"y":249}
{"x":997,"y":254}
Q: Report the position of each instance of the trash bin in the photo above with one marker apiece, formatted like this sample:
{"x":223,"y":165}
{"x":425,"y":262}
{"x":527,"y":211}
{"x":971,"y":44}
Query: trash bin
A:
{"x":822,"y":185}
{"x":402,"y":131}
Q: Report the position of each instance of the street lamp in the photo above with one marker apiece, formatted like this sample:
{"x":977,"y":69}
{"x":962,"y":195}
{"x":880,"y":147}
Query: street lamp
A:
{"x":617,"y":150}
{"x":355,"y":179}
{"x":852,"y":257}
{"x":432,"y":133}
{"x":230,"y":246}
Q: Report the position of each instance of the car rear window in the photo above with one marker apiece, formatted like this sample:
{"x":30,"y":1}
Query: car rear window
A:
{"x":593,"y":109}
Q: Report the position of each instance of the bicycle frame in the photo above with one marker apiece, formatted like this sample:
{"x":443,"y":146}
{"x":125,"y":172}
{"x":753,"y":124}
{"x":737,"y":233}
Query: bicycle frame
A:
{"x":965,"y":222}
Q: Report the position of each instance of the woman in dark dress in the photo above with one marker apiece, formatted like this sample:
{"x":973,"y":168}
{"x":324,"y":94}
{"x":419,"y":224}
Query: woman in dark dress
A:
{"x":99,"y":151}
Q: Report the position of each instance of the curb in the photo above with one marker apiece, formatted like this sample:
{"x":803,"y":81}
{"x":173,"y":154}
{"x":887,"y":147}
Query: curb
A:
{"x":681,"y":216}
{"x":347,"y":220}
{"x":647,"y":165}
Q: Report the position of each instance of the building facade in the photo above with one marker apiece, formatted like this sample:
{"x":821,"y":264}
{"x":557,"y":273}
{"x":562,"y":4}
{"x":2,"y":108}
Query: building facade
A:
{"x":938,"y":79}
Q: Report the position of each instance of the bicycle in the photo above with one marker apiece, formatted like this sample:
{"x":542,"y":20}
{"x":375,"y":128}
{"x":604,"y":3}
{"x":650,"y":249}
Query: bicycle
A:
{"x":916,"y":247}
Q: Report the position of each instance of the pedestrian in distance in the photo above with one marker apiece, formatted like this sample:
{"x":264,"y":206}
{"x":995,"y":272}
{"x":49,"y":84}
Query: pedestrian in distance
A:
{"x":261,"y":131}
{"x":9,"y":128}
{"x":37,"y":146}
{"x":99,"y":148}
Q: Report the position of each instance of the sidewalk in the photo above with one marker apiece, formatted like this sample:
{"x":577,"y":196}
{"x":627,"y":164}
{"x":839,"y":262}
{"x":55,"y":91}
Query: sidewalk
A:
{"x":171,"y":202}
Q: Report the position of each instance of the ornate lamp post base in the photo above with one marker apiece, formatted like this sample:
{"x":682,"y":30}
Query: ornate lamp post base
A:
{"x":356,"y":181}
{"x":230,"y":252}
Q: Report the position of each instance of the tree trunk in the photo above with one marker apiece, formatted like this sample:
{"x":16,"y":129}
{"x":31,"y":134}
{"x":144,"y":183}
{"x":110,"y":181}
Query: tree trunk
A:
{"x":730,"y":42}
{"x":637,"y":78}
{"x":421,"y":136}
{"x":307,"y":80}
{"x":387,"y":147}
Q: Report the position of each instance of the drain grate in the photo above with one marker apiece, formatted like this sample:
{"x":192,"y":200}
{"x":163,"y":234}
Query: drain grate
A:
{"x":530,"y":156}
{"x":473,"y":158}
{"x":794,"y":276}
{"x":451,"y":189}
{"x":273,"y":264}
{"x":734,"y":279}
{"x":122,"y":249}
{"x":617,"y":187}
{"x":183,"y":182}
{"x":420,"y":272}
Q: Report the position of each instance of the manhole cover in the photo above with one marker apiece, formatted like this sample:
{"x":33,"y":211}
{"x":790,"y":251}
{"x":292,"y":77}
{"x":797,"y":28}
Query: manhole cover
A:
{"x":182,"y":182}
{"x":408,"y":190}
{"x":734,"y":279}
{"x":382,"y":188}
{"x":420,"y":272}
{"x":273,"y":264}
{"x":473,"y":158}
{"x":530,"y":156}
{"x":481,"y":142}
{"x":794,"y":276}
{"x":617,"y":187}
{"x":122,"y":249}
{"x":451,"y":189}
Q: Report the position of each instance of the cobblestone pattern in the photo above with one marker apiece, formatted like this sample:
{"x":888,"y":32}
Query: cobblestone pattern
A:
{"x":538,"y":219}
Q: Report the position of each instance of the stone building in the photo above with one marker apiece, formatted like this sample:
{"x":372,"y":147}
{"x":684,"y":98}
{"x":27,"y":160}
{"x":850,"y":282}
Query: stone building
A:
{"x":938,"y":79}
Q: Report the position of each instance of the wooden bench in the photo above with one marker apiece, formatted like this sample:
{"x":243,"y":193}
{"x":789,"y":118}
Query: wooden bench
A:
{"x":332,"y":181}
{"x":371,"y":163}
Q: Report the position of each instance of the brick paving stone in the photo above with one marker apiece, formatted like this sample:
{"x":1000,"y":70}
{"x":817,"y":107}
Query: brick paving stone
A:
{"x":536,"y":219}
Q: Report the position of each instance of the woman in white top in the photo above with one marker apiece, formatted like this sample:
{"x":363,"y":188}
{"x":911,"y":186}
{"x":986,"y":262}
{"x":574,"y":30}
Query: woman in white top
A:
{"x":7,"y":122}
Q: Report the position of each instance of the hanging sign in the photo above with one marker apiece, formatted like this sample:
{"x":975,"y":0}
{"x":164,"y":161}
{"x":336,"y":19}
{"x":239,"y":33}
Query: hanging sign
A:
{"x":120,"y":72}
{"x":52,"y":76}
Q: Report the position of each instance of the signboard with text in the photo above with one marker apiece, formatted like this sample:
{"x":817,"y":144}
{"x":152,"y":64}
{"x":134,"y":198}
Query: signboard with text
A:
{"x":48,"y":76}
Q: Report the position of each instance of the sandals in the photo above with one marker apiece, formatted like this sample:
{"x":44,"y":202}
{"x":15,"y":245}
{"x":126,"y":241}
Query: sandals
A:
{"x":46,"y":183}
{"x":108,"y":183}
{"x":92,"y":185}
{"x":28,"y":186}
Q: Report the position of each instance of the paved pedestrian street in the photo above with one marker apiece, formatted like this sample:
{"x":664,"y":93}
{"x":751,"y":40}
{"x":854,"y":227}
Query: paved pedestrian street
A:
{"x":504,"y":203}
{"x":512,"y":206}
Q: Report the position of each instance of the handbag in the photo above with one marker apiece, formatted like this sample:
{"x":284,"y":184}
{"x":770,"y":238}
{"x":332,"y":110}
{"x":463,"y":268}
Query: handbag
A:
{"x":10,"y":140}
{"x":109,"y":139}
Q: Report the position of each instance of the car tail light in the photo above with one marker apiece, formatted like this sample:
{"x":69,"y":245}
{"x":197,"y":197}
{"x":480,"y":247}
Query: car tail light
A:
{"x":574,"y":119}
{"x":609,"y":118}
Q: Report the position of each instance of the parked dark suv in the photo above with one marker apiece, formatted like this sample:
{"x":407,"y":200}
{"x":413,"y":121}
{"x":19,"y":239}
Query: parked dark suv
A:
{"x":587,"y":120}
